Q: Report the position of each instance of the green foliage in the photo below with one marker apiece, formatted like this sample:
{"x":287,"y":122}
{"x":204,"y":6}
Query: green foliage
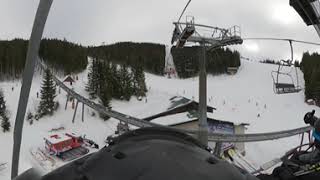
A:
{"x":47,"y":95}
{"x":139,"y":85}
{"x":129,"y":53}
{"x":186,"y":61}
{"x":72,"y":58}
{"x":62,"y":55}
{"x":99,"y":83}
{"x":310,"y":65}
{"x":12,"y":58}
{"x":5,"y":123}
{"x":108,"y":80}
{"x":126,"y":86}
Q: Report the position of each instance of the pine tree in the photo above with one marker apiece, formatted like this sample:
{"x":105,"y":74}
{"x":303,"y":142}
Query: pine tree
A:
{"x":5,"y":123}
{"x":90,"y":86}
{"x":139,"y":83}
{"x":48,"y":93}
{"x":115,"y":81}
{"x":2,"y":103}
{"x":126,"y":82}
{"x":105,"y":98}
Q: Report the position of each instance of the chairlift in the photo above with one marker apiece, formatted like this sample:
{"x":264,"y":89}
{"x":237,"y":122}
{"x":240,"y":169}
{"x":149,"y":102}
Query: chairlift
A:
{"x":182,"y":36}
{"x":286,"y":87}
{"x":281,"y":87}
{"x":188,"y":67}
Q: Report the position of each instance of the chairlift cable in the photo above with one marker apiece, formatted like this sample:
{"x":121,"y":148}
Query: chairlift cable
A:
{"x":184,"y":10}
{"x":283,"y":39}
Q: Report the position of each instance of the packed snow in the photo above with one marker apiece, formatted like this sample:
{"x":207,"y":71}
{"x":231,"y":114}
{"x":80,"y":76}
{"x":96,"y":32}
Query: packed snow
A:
{"x":246,"y":97}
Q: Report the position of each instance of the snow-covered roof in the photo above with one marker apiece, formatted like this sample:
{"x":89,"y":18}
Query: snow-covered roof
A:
{"x":68,"y":78}
{"x":57,"y":138}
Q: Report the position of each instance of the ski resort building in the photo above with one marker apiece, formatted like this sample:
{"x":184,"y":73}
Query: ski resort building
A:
{"x":68,"y":79}
{"x":232,"y":70}
{"x":59,"y":143}
{"x":183,"y":114}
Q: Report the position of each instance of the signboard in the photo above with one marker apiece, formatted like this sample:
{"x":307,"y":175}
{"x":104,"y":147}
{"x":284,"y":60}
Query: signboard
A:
{"x":222,"y":127}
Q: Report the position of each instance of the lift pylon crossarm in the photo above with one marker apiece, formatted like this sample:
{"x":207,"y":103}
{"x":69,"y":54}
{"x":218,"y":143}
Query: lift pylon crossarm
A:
{"x":257,"y":136}
{"x":226,"y":42}
{"x":180,"y":35}
{"x":189,"y":31}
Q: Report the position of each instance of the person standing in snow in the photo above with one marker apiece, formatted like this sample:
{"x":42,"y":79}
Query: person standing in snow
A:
{"x":314,"y":156}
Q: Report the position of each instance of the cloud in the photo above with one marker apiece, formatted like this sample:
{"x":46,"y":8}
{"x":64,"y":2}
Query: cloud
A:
{"x":96,"y":21}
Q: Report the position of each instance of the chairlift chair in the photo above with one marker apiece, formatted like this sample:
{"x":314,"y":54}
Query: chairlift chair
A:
{"x":289,"y":87}
{"x":284,"y":87}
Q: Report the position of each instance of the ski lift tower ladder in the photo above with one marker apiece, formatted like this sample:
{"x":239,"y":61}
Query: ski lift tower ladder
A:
{"x":209,"y":38}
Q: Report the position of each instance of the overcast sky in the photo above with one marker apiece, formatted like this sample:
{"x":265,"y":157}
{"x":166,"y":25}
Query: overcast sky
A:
{"x":92,"y":22}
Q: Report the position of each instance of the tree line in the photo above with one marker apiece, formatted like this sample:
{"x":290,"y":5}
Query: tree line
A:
{"x":150,"y":56}
{"x":12,"y":58}
{"x":63,"y":55}
{"x":310,"y":65}
{"x":72,"y":58}
{"x":271,"y":61}
{"x":60,"y":54}
{"x":186,"y":60}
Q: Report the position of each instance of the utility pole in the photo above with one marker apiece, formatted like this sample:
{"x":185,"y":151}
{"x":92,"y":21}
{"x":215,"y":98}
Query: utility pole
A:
{"x":203,"y":124}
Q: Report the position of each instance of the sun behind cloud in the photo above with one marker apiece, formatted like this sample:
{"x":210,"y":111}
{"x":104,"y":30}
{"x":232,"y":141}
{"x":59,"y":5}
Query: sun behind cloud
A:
{"x":251,"y":46}
{"x":284,"y":14}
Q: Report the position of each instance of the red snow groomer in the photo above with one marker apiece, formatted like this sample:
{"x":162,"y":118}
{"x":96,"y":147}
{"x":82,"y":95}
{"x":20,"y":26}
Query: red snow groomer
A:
{"x":60,"y":143}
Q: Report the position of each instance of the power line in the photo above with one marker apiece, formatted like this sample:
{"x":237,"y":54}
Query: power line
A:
{"x":283,"y":39}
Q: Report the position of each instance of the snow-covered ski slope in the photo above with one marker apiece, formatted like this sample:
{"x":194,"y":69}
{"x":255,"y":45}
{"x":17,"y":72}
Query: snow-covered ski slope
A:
{"x":238,"y":98}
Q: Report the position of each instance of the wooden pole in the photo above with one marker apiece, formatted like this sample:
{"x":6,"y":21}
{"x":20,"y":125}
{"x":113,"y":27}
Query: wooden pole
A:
{"x":67,"y":102}
{"x":82,"y":112}
{"x":75,"y":112}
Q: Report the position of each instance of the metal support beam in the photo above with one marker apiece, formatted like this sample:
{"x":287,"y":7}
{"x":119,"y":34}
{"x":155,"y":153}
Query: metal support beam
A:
{"x":101,"y":109}
{"x":292,"y":61}
{"x":203,"y":125}
{"x":257,"y":136}
{"x":82,"y":112}
{"x":217,"y":148}
{"x":32,"y":55}
{"x":67,"y":102}
{"x":75,"y":112}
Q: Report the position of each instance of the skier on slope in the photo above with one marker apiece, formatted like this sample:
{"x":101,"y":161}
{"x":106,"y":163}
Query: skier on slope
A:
{"x":314,"y":156}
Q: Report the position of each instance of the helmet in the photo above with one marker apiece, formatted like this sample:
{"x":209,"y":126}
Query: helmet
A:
{"x":309,"y":117}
